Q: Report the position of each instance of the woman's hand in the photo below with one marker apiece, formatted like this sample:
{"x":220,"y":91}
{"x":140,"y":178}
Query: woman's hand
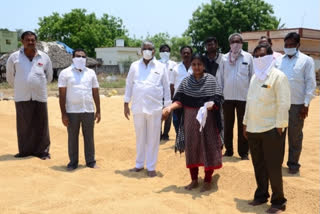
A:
{"x":165,"y":113}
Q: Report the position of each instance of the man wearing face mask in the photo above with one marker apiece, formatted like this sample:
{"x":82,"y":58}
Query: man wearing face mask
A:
{"x":212,"y":56}
{"x":268,"y":41}
{"x":28,"y":71}
{"x":265,"y":119}
{"x":169,"y":65}
{"x":181,"y":71}
{"x":78,"y":89}
{"x":147,"y":88}
{"x":234,"y":78}
{"x":299,"y":68}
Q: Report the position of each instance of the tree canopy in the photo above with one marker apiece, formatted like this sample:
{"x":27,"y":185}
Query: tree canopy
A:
{"x":80,"y":30}
{"x":220,"y":18}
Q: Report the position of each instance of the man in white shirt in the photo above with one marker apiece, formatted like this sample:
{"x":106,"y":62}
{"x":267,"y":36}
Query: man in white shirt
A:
{"x":234,"y":78}
{"x":181,"y":71}
{"x":78,"y":89}
{"x":169,"y":65}
{"x":267,"y":40}
{"x":147,"y":88}
{"x":265,"y":119}
{"x":212,"y":56}
{"x":28,"y":71}
{"x":299,"y":68}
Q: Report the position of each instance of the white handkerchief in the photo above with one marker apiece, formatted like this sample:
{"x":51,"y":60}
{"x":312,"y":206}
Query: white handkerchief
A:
{"x":202,"y":114}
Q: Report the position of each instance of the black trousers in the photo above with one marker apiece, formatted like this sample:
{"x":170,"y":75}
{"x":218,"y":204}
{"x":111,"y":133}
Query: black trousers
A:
{"x":295,"y":136}
{"x":267,"y":152}
{"x":32,"y":128}
{"x":229,"y":108}
{"x":87,"y":123}
{"x":167,"y":126}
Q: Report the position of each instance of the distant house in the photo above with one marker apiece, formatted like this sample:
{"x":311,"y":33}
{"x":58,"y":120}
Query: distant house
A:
{"x":8,"y":41}
{"x":309,"y":41}
{"x":117,"y":57}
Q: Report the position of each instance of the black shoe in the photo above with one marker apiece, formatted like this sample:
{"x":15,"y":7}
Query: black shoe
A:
{"x":19,"y":155}
{"x":71,"y":167}
{"x":293,"y":171}
{"x":257,"y":203}
{"x":244,"y":157}
{"x":228,"y":154}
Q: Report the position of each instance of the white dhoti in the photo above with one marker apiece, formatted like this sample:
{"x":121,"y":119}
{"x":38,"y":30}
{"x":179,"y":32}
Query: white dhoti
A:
{"x":147,"y":129}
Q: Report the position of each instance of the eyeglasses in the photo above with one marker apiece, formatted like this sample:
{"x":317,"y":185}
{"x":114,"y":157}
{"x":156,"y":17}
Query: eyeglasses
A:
{"x":77,"y":56}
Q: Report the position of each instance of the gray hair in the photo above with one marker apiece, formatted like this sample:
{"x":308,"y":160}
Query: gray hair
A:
{"x":234,"y":35}
{"x":147,"y":43}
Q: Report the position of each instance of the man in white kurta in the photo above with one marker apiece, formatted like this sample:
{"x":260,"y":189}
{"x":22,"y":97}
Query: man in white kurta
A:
{"x":146,"y":87}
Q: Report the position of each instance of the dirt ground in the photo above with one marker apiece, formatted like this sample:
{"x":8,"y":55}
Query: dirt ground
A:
{"x":31,"y":185}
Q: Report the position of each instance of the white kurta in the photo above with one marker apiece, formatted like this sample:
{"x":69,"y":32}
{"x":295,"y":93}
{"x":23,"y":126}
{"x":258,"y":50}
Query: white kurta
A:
{"x":146,"y":87}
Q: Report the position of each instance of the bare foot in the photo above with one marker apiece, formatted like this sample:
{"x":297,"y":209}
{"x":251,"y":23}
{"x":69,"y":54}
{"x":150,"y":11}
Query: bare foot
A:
{"x":135,"y":169}
{"x":206,"y":187}
{"x":192,"y":185}
{"x":152,"y":174}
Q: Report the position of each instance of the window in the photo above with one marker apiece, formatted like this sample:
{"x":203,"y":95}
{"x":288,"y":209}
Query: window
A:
{"x":8,"y":42}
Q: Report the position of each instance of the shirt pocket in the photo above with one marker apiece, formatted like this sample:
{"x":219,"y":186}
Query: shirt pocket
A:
{"x":243,"y":70}
{"x":38,"y":70}
{"x":297,"y":73}
{"x":154,"y":78}
{"x":267,"y":95}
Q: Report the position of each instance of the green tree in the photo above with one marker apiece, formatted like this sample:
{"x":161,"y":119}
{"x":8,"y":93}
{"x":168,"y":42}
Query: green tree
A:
{"x":220,"y":18}
{"x":81,"y":30}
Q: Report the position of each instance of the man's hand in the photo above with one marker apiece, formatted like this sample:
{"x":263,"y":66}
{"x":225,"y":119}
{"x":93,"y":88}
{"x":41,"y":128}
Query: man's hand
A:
{"x":165,"y":113}
{"x":126,"y":111}
{"x":304,"y":112}
{"x":279,"y":130}
{"x":65,"y":120}
{"x":97,"y":117}
{"x":245,"y":131}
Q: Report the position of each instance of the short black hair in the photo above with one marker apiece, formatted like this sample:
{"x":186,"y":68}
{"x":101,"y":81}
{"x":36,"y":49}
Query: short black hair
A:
{"x":293,"y":35}
{"x":164,"y":46}
{"x":28,"y":33}
{"x":78,"y":50}
{"x":199,"y":57}
{"x":266,"y":46}
{"x":185,"y":46}
{"x":268,"y":39}
{"x":210,"y":39}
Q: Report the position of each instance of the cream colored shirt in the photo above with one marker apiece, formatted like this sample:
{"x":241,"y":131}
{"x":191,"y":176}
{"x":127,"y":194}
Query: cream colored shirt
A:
{"x":268,"y":103}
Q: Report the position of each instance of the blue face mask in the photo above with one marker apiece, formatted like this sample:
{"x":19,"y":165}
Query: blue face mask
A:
{"x":290,"y":51}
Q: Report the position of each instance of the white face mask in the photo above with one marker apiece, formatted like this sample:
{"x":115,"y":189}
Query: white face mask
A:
{"x":262,"y":66}
{"x":235,"y":48}
{"x":147,"y":54}
{"x":290,"y":51}
{"x":79,"y":63}
{"x":164,"y":56}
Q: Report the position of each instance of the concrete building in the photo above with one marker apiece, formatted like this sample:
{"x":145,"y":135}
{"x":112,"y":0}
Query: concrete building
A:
{"x":8,"y":41}
{"x":118,"y":56}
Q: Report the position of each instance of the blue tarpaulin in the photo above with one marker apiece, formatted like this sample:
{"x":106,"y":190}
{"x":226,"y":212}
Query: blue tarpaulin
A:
{"x":66,"y":47}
